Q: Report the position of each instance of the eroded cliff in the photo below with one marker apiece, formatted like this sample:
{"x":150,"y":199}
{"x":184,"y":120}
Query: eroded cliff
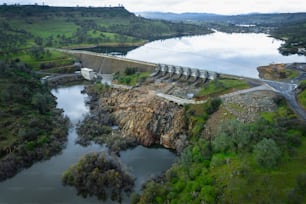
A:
{"x":142,"y":115}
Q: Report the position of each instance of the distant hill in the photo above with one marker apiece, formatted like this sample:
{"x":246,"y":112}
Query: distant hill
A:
{"x":256,"y":18}
{"x":177,"y":17}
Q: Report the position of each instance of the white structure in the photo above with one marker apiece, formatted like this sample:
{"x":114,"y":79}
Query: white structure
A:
{"x":88,"y":74}
{"x":107,"y":79}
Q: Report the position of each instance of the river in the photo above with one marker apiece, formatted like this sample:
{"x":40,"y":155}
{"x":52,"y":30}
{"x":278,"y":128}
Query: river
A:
{"x":237,"y":53}
{"x":41,"y":183}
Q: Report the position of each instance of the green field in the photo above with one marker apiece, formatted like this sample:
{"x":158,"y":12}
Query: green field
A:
{"x":221,"y":86}
{"x":25,"y":31}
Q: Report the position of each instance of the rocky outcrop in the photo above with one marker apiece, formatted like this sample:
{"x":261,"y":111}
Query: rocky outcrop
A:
{"x":141,"y":115}
{"x":272,"y":72}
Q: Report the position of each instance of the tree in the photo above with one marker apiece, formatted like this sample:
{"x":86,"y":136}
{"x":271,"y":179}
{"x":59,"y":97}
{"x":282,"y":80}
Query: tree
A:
{"x":37,"y":52}
{"x":41,"y":102}
{"x":267,"y":153}
{"x":232,"y":135}
{"x":38,"y":41}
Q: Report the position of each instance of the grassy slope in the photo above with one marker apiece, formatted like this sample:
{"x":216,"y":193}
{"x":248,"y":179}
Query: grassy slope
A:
{"x":222,"y":86}
{"x":23,"y":28}
{"x":100,"y":24}
{"x":302,"y":95}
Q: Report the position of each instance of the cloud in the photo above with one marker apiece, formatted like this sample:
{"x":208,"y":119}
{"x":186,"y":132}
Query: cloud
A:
{"x":178,"y":6}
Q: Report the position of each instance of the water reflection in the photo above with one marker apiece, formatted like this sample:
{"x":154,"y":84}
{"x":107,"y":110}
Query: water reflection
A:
{"x":41,"y":183}
{"x":72,"y":101}
{"x":239,"y":53}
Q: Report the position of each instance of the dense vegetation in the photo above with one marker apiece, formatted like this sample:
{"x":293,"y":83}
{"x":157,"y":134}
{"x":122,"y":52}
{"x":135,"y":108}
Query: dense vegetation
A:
{"x":31,"y":128}
{"x":100,"y":175}
{"x":295,"y":37}
{"x":131,"y":76}
{"x":258,"y":162}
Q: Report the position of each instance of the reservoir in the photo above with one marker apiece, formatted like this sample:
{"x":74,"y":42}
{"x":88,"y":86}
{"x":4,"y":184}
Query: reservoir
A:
{"x":41,"y":183}
{"x":238,"y":53}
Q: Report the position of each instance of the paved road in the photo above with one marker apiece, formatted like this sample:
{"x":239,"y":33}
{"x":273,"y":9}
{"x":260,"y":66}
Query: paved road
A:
{"x":287,"y":91}
{"x":182,"y":101}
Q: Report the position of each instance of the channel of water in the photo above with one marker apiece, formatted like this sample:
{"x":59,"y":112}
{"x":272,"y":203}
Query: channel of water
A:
{"x":41,"y":183}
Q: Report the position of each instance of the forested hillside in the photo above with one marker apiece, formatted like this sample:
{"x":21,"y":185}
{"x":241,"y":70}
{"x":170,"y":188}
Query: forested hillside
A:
{"x":31,"y":127}
{"x":294,"y":36}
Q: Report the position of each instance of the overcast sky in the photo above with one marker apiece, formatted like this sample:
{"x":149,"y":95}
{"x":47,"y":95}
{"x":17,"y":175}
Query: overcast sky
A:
{"x":179,"y":6}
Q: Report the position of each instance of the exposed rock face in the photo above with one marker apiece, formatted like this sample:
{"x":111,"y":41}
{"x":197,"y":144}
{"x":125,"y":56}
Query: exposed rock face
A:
{"x":142,"y":115}
{"x":272,"y":72}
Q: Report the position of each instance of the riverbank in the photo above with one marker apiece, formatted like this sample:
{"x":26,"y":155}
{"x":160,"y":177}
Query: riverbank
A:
{"x":32,"y":128}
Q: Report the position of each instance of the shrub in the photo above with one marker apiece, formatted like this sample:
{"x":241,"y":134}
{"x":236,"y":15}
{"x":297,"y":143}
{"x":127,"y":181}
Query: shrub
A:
{"x":232,"y":135}
{"x":100,"y":175}
{"x":130,"y":70}
{"x":301,"y":183}
{"x":217,"y":160}
{"x":267,"y":153}
{"x":213,"y":105}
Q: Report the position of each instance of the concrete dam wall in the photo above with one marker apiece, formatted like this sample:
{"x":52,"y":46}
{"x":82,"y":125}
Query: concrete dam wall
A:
{"x":107,"y":64}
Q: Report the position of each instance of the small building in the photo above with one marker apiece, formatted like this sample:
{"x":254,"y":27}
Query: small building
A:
{"x":88,"y":74}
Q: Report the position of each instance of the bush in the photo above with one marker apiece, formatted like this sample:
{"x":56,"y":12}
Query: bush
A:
{"x":267,"y":153}
{"x":217,"y":160}
{"x":232,"y":135}
{"x":301,"y":183}
{"x":100,"y":175}
{"x":213,"y":105}
{"x":130,"y":70}
{"x":135,"y":198}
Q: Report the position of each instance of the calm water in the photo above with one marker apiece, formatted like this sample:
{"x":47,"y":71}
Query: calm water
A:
{"x":41,"y":183}
{"x":238,"y":54}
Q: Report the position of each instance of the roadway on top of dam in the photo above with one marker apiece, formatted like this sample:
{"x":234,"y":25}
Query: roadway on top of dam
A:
{"x":104,"y":55}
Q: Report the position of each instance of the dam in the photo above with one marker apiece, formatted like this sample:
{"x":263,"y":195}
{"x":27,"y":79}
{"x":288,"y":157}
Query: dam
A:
{"x":108,"y":64}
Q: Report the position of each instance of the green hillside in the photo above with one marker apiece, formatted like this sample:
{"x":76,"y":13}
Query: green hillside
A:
{"x":23,"y":27}
{"x":25,"y":31}
{"x":258,"y":162}
{"x":294,"y":36}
